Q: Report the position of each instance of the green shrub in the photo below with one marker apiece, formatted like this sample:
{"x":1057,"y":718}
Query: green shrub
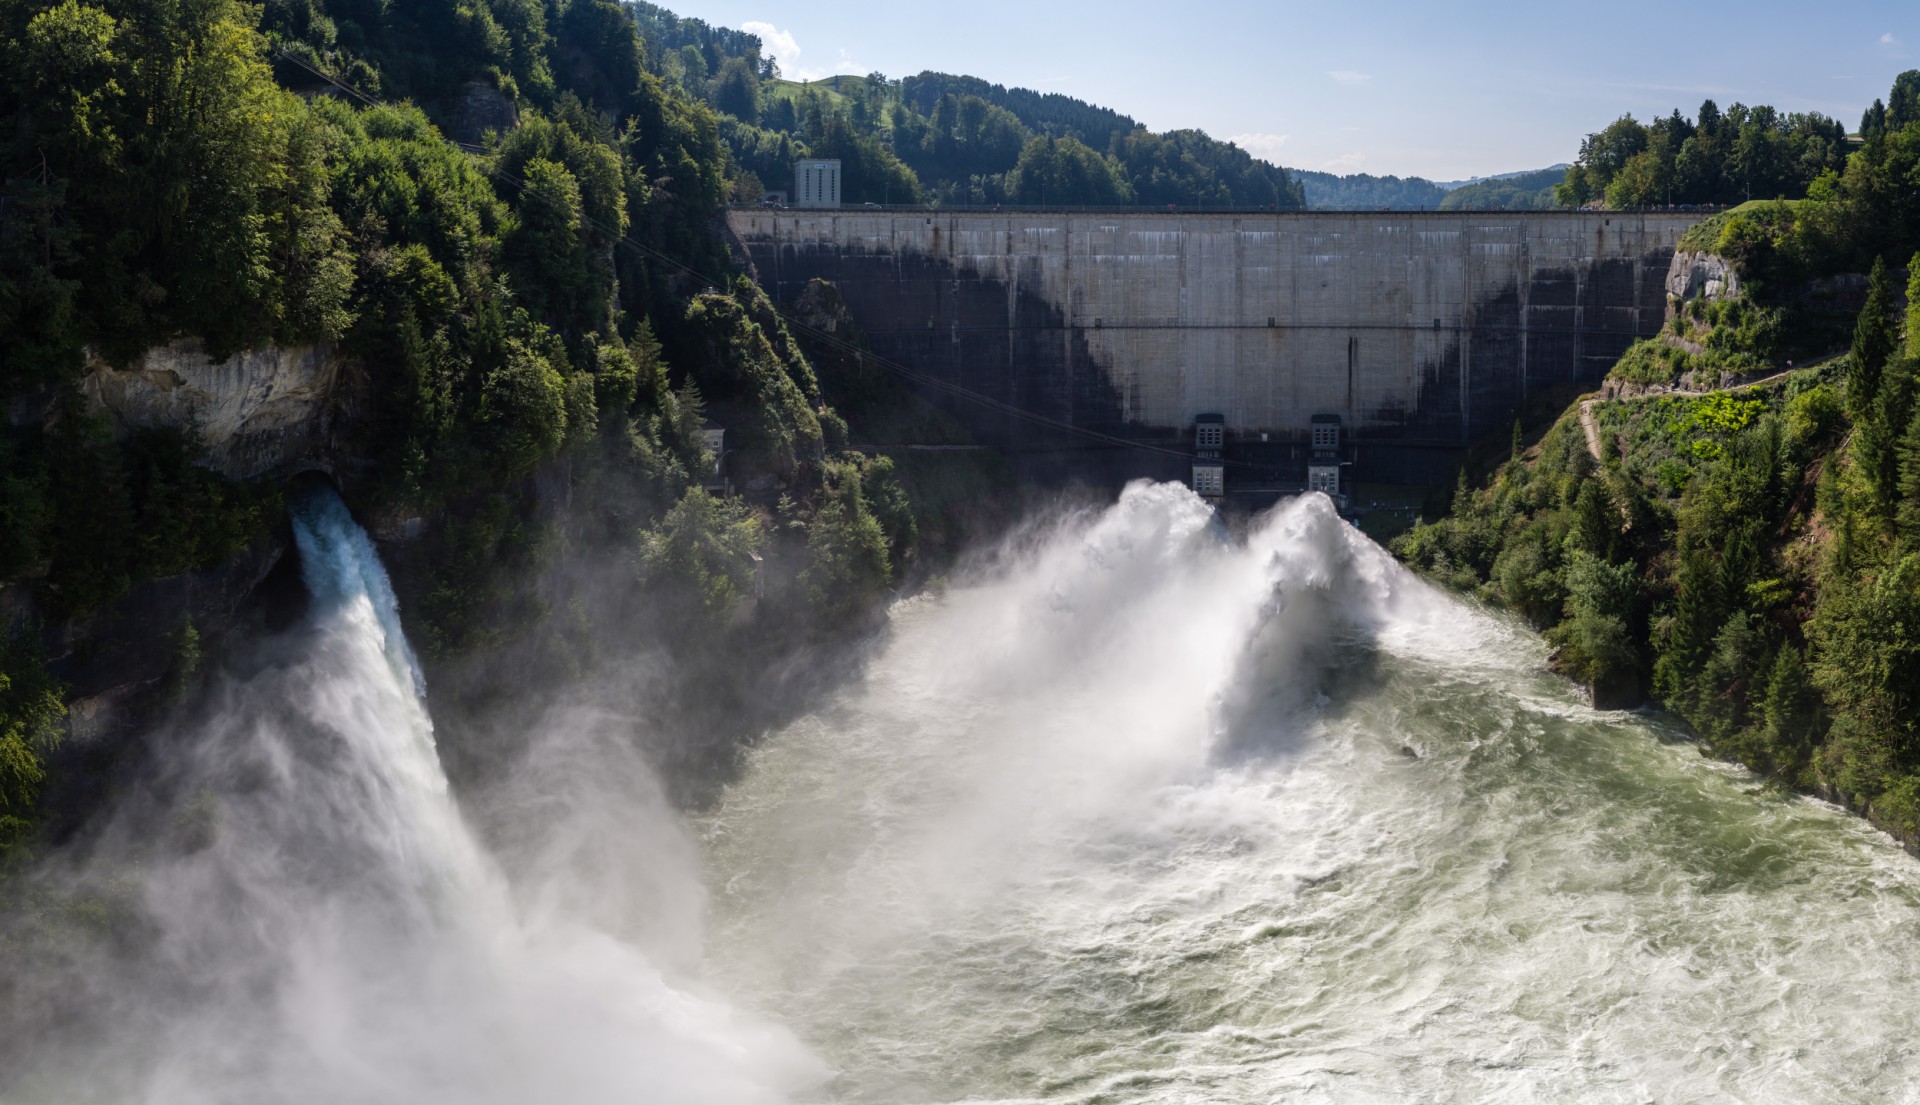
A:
{"x":31,"y":712}
{"x":706,"y":545}
{"x":1815,"y":417}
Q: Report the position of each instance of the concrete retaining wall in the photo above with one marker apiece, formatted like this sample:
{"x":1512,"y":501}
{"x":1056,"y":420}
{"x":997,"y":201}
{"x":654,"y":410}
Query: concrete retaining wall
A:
{"x":1422,"y":330}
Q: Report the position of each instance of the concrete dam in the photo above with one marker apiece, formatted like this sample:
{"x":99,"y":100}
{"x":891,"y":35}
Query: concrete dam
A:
{"x":1421,"y":331}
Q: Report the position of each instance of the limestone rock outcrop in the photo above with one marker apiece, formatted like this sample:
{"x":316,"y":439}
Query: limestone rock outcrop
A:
{"x":258,"y":412}
{"x":1701,"y":276}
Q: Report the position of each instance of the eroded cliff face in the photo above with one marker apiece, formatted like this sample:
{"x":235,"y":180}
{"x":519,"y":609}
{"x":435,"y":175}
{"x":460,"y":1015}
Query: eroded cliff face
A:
{"x":1701,"y":276}
{"x":259,"y":413}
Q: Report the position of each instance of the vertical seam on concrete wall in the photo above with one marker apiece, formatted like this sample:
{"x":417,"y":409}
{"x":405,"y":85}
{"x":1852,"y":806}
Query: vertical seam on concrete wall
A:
{"x":1353,"y":353}
{"x":1066,"y":317}
{"x":1526,"y":310}
{"x":1467,"y":321}
{"x":1012,"y":267}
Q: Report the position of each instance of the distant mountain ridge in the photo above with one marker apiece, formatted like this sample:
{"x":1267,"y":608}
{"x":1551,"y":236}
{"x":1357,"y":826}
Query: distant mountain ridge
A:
{"x":1450,"y":185}
{"x":961,"y":140}
{"x":1528,"y":189}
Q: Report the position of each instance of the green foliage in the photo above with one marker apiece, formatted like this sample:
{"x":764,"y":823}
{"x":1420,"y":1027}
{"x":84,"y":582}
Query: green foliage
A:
{"x":1595,"y":643}
{"x":1868,"y":667}
{"x":755,"y":373}
{"x":1815,"y":417}
{"x":957,"y":139}
{"x":869,"y":172}
{"x":1874,"y":339}
{"x":194,"y":188}
{"x":1702,"y":426}
{"x":1857,"y":210}
{"x":187,"y":658}
{"x":1911,"y":329}
{"x":1185,"y":167}
{"x":1366,"y":192}
{"x":1715,"y":158}
{"x":31,"y":712}
{"x":847,"y":559}
{"x":157,"y":183}
{"x":1791,"y":714}
{"x":1065,"y":172}
{"x":704,"y":544}
{"x":1525,"y":192}
{"x":736,"y":89}
{"x":482,"y":564}
{"x":520,"y":418}
{"x":546,"y":248}
{"x":1778,"y":614}
{"x":1706,"y":345}
{"x":99,"y":514}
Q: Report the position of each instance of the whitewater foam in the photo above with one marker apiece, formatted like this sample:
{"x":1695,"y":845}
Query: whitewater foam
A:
{"x":1143,"y":814}
{"x":336,"y":933}
{"x":1153,"y":816}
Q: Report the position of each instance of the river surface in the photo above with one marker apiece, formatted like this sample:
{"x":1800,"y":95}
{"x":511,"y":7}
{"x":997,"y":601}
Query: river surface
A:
{"x":1151,"y":816}
{"x":1139,"y":813}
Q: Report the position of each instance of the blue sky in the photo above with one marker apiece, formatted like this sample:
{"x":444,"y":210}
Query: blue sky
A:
{"x":1422,"y":89}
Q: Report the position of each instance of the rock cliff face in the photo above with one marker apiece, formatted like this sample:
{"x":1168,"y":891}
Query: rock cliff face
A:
{"x":265,"y":414}
{"x":1702,"y":276}
{"x":261,"y":412}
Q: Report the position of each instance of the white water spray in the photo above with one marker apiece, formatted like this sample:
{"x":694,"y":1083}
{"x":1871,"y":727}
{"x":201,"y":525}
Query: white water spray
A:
{"x":1145,"y":815}
{"x":1153,"y":816}
{"x":336,"y":934}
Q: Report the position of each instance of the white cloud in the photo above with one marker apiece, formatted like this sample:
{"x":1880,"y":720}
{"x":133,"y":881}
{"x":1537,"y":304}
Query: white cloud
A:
{"x":1349,"y":77}
{"x":1261,"y":145}
{"x":1345,"y":163}
{"x":781,"y":47}
{"x":1888,"y":39}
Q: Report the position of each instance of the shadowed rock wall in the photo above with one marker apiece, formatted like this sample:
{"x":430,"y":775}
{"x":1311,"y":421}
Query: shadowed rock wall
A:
{"x":1423,"y":331}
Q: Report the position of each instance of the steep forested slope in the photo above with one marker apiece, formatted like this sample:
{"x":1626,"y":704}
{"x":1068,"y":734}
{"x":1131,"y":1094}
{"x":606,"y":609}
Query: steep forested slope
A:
{"x":530,"y":331}
{"x":1749,"y":555}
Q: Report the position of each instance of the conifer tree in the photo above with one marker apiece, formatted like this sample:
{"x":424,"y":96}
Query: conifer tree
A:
{"x":1595,"y":521}
{"x":1789,"y":709}
{"x":1881,"y":435}
{"x":1873,"y":343}
{"x":1913,"y":307}
{"x":1697,"y":616}
{"x":1908,"y":509}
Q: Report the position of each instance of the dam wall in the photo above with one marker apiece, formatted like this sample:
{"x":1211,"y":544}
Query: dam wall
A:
{"x":1423,"y":331}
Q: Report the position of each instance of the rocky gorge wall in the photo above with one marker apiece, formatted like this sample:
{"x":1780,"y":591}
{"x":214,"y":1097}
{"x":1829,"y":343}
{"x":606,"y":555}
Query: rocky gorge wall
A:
{"x":268,"y":413}
{"x":1423,"y":331}
{"x":259,"y":412}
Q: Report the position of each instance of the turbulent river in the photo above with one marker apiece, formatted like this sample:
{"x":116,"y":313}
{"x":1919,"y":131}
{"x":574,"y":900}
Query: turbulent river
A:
{"x":1141,"y":813}
{"x":1157,"y":817}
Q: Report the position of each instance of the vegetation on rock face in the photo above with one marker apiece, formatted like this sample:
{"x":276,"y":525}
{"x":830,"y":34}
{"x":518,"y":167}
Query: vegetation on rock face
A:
{"x":31,"y":712}
{"x":1751,"y":557}
{"x":193,"y":169}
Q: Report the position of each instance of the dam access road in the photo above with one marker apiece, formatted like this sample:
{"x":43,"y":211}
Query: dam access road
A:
{"x":1423,"y":331}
